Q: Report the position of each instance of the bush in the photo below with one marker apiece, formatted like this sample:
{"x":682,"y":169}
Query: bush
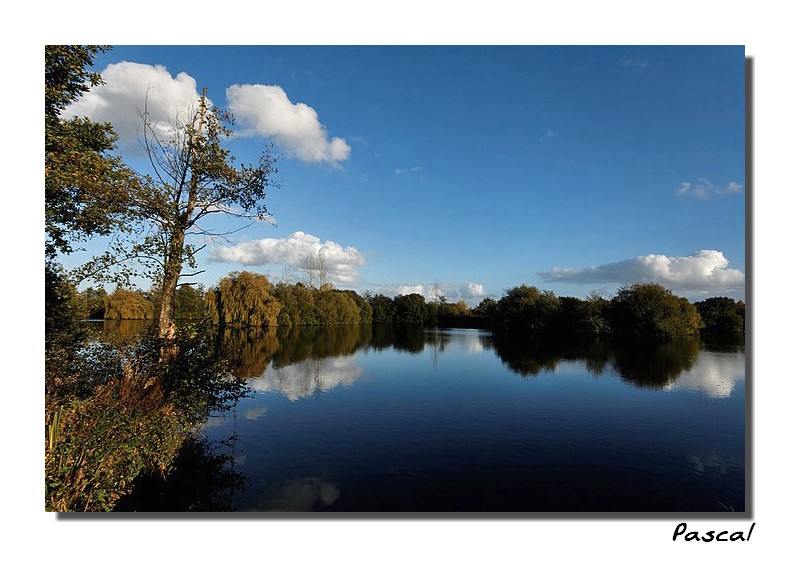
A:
{"x":96,"y":447}
{"x":125,"y":414}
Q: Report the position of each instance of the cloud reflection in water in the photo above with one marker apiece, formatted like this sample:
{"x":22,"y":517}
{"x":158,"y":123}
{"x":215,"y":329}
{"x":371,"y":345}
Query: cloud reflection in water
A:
{"x":714,"y":374}
{"x":308,"y":377}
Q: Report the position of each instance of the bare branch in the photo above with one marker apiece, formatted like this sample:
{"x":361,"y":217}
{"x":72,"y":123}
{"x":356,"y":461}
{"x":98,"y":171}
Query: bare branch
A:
{"x":202,"y":232}
{"x":197,"y":273}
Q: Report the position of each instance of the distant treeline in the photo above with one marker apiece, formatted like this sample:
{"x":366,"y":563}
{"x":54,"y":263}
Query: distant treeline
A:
{"x":246,"y":299}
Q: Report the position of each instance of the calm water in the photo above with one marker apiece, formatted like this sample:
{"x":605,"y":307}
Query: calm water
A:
{"x":360,"y":419}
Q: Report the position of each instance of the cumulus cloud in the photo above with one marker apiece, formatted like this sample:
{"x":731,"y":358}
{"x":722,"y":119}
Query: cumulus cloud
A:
{"x":128,"y":86}
{"x":471,"y":290}
{"x":265,"y":110}
{"x":262,"y":110}
{"x":703,"y":271}
{"x":342,"y":262}
{"x":705,"y":189}
{"x":467,"y":291}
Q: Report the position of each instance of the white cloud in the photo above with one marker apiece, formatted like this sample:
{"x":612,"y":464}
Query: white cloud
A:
{"x":294,"y":250}
{"x":265,"y":110}
{"x":262,"y":110}
{"x":122,"y":98}
{"x":705,"y":189}
{"x":467,"y":291}
{"x":408,"y":289}
{"x":703,"y":271}
{"x":471,"y":290}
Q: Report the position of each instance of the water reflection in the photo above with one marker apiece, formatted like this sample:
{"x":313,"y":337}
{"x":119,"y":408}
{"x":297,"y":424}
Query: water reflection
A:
{"x":655,"y":365}
{"x":673,"y":365}
{"x":252,"y":350}
{"x":202,"y":479}
{"x":254,"y":414}
{"x":462,"y":341}
{"x":715,"y":375}
{"x":303,"y":361}
{"x":714,"y":463}
{"x":307,"y":378}
{"x":116,"y":329}
{"x":465,"y":426}
{"x":402,"y":338}
{"x":300,"y":495}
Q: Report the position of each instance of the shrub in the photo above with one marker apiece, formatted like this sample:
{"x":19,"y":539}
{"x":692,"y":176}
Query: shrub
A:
{"x":125,"y":414}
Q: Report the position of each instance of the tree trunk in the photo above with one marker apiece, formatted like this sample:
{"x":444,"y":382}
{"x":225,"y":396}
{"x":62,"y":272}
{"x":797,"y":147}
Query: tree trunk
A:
{"x":166,"y":316}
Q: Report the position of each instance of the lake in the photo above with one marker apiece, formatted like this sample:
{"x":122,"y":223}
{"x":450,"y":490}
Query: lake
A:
{"x":392,"y":419}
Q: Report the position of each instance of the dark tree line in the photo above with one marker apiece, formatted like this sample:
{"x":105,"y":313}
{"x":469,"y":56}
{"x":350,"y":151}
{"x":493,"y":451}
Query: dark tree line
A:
{"x":246,"y":299}
{"x":638,"y":311}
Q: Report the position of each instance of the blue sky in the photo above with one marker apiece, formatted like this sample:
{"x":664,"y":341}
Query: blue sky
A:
{"x":473,"y":169}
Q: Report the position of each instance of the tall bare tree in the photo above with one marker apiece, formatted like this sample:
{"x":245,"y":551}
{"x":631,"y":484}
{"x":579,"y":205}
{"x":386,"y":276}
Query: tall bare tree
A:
{"x":193,"y":177}
{"x":316,"y":269}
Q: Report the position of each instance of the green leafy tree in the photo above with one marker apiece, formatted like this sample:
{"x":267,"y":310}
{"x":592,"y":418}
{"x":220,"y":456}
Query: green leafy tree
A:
{"x":525,"y":307}
{"x":567,"y":321}
{"x":190,"y":303}
{"x":128,"y":304}
{"x":382,"y":308}
{"x":243,"y":299}
{"x":298,"y":304}
{"x":741,"y":310}
{"x":410,"y":309}
{"x":337,"y":308}
{"x":364,"y":307}
{"x":594,"y":315}
{"x":63,"y":335}
{"x":91,"y":303}
{"x":721,"y":315}
{"x":649,"y":310}
{"x":87,"y":189}
{"x":86,"y":194}
{"x":194,"y":176}
{"x":486,"y":308}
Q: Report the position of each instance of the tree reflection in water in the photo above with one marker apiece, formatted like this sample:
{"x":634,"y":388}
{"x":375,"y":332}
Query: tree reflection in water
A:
{"x":643,"y":364}
{"x":307,"y":361}
{"x":202,"y":480}
{"x":656,"y":366}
